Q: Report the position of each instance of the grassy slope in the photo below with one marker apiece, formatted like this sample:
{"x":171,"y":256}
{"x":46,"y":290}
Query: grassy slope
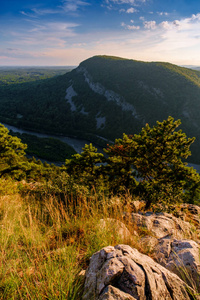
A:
{"x":45,"y":244}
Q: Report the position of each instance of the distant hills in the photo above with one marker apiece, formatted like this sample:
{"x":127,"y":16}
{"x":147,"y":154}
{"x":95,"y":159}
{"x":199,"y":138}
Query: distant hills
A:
{"x":104,"y":97}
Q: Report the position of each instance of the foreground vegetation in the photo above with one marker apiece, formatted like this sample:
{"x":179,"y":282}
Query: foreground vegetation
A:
{"x":50,"y":216}
{"x":46,"y":244}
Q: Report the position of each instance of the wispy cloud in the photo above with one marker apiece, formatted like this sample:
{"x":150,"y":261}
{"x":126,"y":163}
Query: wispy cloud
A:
{"x":73,"y":5}
{"x":162,"y":13}
{"x":68,"y":6}
{"x":44,"y":34}
{"x":132,"y":2}
{"x":130,"y":27}
{"x":130,"y":10}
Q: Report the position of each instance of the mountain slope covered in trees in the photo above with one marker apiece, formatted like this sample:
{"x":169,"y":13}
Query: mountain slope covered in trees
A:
{"x":105,"y":97}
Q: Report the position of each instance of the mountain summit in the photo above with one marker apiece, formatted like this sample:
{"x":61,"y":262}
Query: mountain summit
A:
{"x":106,"y":96}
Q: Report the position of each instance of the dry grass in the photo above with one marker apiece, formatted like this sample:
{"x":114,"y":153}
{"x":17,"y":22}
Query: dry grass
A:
{"x":45,"y":244}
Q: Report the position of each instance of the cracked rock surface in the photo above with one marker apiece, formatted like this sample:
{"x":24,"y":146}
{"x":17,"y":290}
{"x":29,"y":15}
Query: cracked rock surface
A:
{"x":163,"y":224}
{"x":123,"y":273}
{"x":182,"y":257}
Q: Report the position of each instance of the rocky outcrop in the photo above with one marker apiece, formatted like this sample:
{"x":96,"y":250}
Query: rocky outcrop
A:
{"x":70,"y":93}
{"x":191,"y":213}
{"x":163,"y":224}
{"x":121,"y":272}
{"x":108,"y":94}
{"x":182,"y":257}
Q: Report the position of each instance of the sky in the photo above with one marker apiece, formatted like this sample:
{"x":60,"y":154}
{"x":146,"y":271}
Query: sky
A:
{"x":66,"y":32}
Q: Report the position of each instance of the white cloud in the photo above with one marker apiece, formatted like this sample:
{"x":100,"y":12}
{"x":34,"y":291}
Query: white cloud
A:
{"x":165,"y":25}
{"x":194,"y":17}
{"x":130,"y":27}
{"x":132,"y":2}
{"x":176,"y":23}
{"x":162,"y":13}
{"x":133,"y":27}
{"x":149,"y":24}
{"x":131,"y":10}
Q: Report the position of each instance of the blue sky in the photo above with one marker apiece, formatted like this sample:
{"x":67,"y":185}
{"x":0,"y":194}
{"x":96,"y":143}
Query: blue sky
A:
{"x":66,"y":32}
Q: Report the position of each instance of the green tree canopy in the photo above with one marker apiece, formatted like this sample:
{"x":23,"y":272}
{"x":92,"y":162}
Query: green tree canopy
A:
{"x":155,"y":155}
{"x":85,"y":167}
{"x":12,"y":152}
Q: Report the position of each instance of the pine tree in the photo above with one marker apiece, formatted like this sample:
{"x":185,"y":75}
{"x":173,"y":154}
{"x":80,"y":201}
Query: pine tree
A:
{"x":12,"y":153}
{"x":156,"y":156}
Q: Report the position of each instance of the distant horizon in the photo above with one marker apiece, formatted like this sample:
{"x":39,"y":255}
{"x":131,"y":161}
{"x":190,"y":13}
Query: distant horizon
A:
{"x":36,"y":66}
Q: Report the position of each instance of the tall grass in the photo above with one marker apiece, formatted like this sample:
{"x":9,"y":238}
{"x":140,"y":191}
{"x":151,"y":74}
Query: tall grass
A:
{"x":45,"y":244}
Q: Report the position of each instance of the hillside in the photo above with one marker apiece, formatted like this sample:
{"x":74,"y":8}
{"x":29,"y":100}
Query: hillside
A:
{"x":105,"y":97}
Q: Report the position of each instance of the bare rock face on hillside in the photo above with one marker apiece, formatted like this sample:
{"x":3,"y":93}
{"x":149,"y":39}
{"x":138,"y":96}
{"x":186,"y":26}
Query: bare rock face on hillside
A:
{"x":163,"y":224}
{"x":121,"y":272}
{"x":182,"y":257}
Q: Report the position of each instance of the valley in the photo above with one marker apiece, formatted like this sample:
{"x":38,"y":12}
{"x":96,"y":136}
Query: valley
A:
{"x":103,"y":98}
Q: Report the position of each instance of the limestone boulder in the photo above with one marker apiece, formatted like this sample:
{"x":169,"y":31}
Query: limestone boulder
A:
{"x":123,"y":273}
{"x":181,"y":257}
{"x":163,"y":224}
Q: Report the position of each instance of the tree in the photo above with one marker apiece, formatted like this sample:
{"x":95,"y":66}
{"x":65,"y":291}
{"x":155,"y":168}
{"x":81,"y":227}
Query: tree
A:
{"x":156,"y":156}
{"x":119,"y":167}
{"x":85,"y":167}
{"x":12,"y":153}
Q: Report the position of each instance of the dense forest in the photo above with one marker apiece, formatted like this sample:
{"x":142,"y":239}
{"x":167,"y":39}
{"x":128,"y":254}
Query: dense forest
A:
{"x":13,"y":75}
{"x":105,"y":97}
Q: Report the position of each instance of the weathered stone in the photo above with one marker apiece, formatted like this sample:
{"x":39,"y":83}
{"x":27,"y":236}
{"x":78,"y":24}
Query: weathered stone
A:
{"x":96,"y":262}
{"x":112,"y":293}
{"x":148,"y":243}
{"x":110,"y":271}
{"x":163,"y":224}
{"x":121,"y":272}
{"x":180,"y":257}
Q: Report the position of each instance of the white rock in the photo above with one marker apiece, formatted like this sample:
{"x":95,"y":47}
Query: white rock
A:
{"x":131,"y":275}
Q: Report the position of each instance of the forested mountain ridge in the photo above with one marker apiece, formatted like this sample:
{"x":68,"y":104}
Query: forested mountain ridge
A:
{"x":106,"y":96}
